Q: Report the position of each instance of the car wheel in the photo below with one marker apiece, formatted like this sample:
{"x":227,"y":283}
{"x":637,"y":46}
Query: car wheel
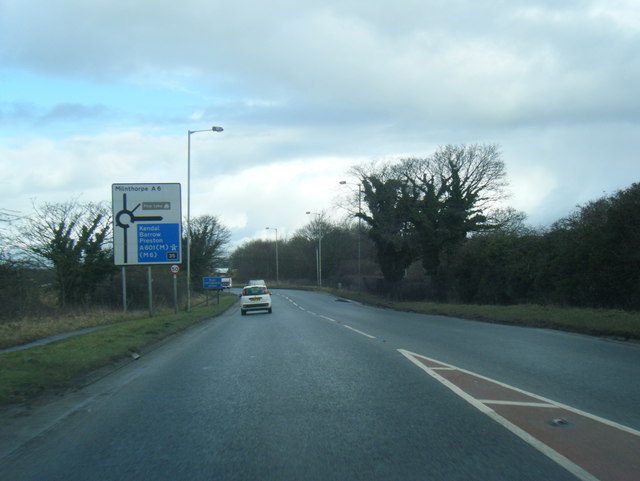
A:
{"x":269,"y":310}
{"x":243,"y":312}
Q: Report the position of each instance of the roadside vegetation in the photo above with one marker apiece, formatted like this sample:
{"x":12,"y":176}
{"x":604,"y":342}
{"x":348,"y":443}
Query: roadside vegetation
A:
{"x":62,"y":364}
{"x":439,"y":230}
{"x":614,"y":323}
{"x":25,"y":331}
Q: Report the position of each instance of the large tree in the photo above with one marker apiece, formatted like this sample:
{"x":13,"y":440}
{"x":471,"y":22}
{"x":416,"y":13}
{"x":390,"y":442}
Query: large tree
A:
{"x":454,"y":191}
{"x":74,"y":240}
{"x":426,"y":207}
{"x":209,"y":239}
{"x":456,"y":188}
{"x":254,"y":259}
{"x":388,"y":201}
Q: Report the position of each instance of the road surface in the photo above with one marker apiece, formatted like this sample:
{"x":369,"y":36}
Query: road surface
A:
{"x":326,"y":389}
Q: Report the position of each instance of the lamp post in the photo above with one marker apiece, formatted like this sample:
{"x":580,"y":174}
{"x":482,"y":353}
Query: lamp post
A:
{"x":344,"y":182}
{"x":319,"y":251}
{"x":277,"y":274}
{"x":212,"y":129}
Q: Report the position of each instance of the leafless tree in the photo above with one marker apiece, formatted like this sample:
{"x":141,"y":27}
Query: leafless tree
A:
{"x":72,"y":239}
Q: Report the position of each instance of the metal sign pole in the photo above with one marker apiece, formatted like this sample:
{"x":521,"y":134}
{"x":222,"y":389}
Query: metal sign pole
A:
{"x":124,"y":290}
{"x":150,"y":282}
{"x":175,"y":294}
{"x":174,"y":269}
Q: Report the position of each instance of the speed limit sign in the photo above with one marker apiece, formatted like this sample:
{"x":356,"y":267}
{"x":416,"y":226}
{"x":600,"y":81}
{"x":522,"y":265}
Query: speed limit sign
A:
{"x":175,"y":268}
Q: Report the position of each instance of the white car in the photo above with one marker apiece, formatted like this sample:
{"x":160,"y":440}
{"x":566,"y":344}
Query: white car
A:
{"x":255,"y":298}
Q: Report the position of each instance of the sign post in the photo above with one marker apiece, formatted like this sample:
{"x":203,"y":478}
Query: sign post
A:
{"x":174,"y":269}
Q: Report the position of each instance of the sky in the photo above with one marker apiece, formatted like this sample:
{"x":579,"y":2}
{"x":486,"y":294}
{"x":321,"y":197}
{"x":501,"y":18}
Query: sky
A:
{"x":99,"y":92}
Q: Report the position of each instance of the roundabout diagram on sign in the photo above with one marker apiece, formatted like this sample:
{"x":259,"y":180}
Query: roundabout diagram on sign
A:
{"x":126,"y":217}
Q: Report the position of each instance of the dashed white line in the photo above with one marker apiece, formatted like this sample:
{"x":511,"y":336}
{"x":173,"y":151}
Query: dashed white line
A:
{"x":329,"y":319}
{"x":360,"y":332}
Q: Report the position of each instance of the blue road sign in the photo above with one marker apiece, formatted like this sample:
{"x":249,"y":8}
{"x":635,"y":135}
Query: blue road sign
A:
{"x":212,"y":282}
{"x":158,"y":243}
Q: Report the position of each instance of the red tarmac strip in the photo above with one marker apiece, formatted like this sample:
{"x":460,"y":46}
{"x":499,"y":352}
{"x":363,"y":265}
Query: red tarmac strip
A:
{"x":592,"y":448}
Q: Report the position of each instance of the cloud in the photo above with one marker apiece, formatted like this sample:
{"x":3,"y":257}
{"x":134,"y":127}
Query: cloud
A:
{"x":100,"y":92}
{"x":33,"y":116}
{"x":493,"y":62}
{"x":268,"y":194}
{"x":58,"y":170}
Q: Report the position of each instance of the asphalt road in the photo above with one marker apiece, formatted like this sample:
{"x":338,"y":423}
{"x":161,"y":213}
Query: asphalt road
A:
{"x":317,"y":390}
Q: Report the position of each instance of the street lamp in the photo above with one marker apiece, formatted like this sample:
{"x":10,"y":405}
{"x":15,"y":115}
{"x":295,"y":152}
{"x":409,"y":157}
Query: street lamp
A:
{"x":344,"y":182}
{"x":212,"y":129}
{"x":277,"y":275}
{"x":319,"y":251}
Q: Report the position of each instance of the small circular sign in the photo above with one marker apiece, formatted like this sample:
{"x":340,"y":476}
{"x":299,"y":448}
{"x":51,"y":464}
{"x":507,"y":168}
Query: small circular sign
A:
{"x":175,"y":268}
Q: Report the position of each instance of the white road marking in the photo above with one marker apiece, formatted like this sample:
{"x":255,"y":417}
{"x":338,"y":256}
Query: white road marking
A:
{"x":608,"y":422}
{"x":329,"y":319}
{"x":360,"y":332}
{"x":522,"y":434}
{"x":518,"y":403}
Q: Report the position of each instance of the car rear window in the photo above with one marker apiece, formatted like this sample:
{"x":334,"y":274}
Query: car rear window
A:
{"x":254,"y":291}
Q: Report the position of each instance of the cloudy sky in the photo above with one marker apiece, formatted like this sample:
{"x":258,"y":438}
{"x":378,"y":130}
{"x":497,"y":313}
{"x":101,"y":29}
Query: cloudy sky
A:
{"x":100,"y":92}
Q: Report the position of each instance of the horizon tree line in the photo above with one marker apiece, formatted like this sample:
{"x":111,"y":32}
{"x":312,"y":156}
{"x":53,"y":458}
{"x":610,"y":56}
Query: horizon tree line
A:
{"x":430,"y":228}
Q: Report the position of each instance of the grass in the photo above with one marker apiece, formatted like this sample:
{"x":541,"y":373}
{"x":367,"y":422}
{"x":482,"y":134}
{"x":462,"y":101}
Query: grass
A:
{"x":27,"y":373}
{"x":599,"y":322}
{"x":16,"y":333}
{"x":24,"y":331}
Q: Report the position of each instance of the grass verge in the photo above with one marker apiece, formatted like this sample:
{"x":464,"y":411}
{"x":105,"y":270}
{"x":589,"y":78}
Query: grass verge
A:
{"x":17,"y":333}
{"x":27,"y":373}
{"x":598,"y":322}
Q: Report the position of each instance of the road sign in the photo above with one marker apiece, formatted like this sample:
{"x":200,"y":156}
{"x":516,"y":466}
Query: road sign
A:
{"x":146,"y":224}
{"x":175,"y":268}
{"x":212,"y":282}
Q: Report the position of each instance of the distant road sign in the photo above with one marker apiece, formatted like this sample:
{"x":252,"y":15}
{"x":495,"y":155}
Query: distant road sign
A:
{"x":175,"y":268}
{"x":212,"y":282}
{"x":147,"y":225}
